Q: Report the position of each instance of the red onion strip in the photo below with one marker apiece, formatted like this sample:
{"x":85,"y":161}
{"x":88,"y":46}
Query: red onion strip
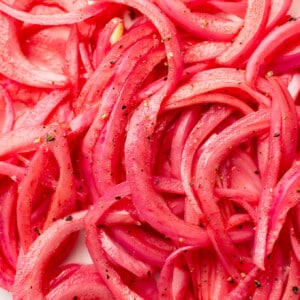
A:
{"x":142,"y":153}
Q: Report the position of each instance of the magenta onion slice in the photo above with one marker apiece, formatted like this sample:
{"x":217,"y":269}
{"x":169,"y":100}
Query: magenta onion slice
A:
{"x":160,"y":138}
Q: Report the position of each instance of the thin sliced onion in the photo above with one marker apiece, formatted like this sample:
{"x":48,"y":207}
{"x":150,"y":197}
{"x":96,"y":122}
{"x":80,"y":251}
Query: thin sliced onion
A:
{"x":167,"y":132}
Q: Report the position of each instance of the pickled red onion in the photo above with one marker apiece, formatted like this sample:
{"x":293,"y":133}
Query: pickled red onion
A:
{"x":164,"y":131}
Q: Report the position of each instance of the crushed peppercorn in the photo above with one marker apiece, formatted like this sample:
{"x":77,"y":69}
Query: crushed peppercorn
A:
{"x":69,"y":218}
{"x":49,"y":138}
{"x":37,"y":231}
{"x":257,"y":283}
{"x":230,"y":279}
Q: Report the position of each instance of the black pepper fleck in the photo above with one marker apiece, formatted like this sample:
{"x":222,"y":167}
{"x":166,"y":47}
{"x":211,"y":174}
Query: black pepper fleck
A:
{"x":230,"y":280}
{"x":257,"y":283}
{"x":37,"y":231}
{"x":295,"y":290}
{"x":49,"y":138}
{"x":69,"y":218}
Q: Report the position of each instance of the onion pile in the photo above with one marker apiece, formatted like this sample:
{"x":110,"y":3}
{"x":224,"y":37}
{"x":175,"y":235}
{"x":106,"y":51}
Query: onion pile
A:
{"x":164,"y":130}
